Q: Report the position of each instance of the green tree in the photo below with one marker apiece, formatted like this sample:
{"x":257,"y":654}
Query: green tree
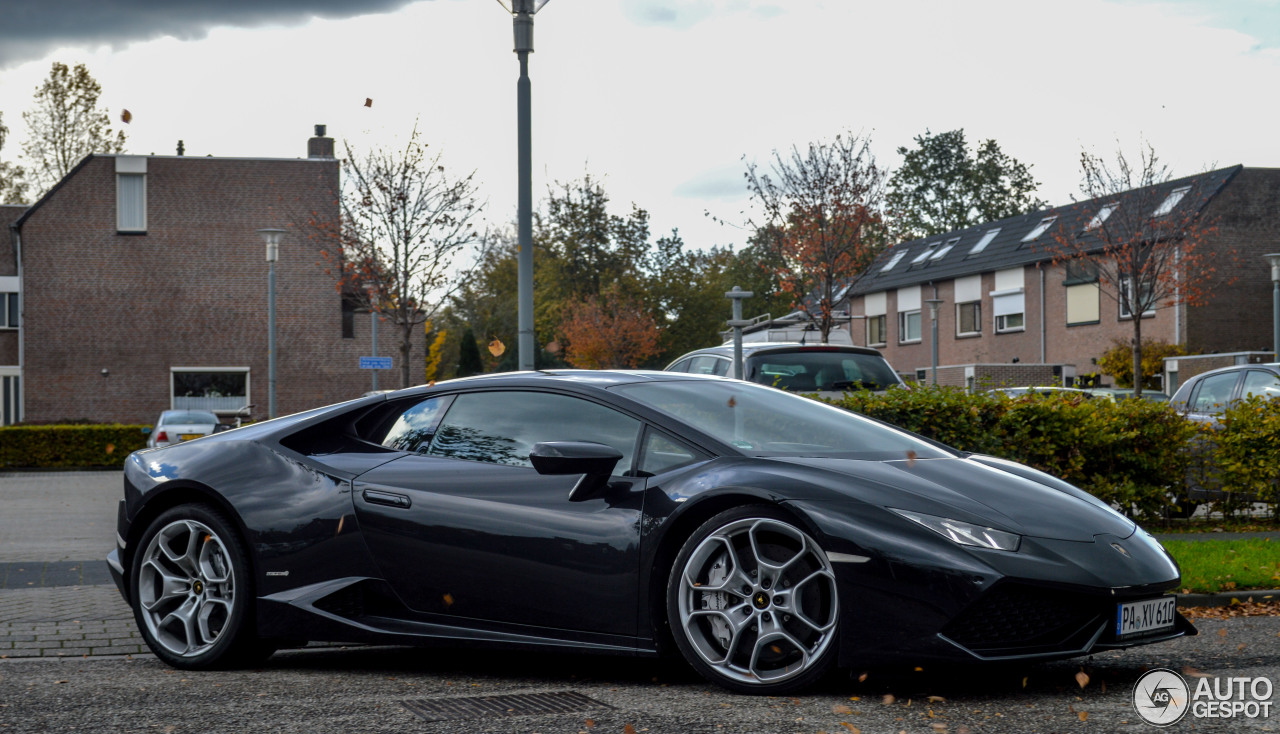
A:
{"x":469,"y":362}
{"x":1117,"y":361}
{"x":13,"y":184}
{"x":943,"y":186}
{"x":64,"y":125}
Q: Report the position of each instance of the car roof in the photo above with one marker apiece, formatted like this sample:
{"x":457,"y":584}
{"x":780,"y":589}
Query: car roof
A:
{"x":1273,"y":366}
{"x":565,"y":377}
{"x":753,"y":347}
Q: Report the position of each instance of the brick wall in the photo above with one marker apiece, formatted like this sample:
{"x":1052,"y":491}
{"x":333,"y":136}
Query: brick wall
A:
{"x":1238,"y":316}
{"x":191,"y":292}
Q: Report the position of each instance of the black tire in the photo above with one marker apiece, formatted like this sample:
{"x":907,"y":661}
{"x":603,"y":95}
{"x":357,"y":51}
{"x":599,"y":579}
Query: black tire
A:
{"x":192,"y":591}
{"x":740,"y":618}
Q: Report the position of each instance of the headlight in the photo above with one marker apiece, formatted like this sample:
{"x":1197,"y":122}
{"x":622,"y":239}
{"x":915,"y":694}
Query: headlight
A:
{"x":965,"y":533}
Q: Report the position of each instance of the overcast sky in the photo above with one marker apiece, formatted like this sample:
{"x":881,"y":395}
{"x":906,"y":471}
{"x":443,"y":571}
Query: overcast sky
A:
{"x":662,"y":99}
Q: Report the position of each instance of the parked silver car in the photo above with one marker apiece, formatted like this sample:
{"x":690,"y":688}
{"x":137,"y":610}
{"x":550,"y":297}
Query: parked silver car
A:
{"x":827,"y":369}
{"x":175,"y":426}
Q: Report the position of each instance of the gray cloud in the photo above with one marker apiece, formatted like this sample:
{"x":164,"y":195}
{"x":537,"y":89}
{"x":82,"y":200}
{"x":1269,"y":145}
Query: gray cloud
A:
{"x":29,"y":29}
{"x":721,"y":182}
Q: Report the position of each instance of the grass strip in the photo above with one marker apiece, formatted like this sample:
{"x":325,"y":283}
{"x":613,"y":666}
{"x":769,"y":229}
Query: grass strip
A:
{"x":1226,"y":565}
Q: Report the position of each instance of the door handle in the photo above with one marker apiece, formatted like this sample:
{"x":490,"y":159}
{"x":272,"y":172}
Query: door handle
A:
{"x":374,"y":497}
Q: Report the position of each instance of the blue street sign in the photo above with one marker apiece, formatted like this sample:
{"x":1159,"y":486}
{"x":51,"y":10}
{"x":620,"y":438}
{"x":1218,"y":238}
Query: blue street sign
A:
{"x":375,"y":363}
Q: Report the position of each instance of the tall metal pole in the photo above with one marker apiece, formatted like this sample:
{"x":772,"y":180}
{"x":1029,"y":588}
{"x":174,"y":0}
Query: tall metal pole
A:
{"x":522,"y":24}
{"x":373,"y":319}
{"x":736,"y":323}
{"x":933,"y":334}
{"x":271,"y":236}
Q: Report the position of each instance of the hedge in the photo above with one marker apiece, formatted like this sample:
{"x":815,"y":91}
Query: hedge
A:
{"x":69,"y":447}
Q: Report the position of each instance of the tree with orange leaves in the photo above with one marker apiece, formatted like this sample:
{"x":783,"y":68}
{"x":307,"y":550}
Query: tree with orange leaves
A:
{"x":1145,"y":242}
{"x":822,"y":219}
{"x":608,"y":332}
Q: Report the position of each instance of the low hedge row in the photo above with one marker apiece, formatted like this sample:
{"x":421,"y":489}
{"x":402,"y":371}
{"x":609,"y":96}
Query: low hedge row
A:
{"x":69,"y":447}
{"x":1133,"y":453}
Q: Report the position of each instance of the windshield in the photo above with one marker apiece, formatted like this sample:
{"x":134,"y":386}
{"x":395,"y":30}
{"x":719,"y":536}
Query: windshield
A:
{"x":764,"y":422}
{"x":810,"y":370}
{"x":194,"y":416}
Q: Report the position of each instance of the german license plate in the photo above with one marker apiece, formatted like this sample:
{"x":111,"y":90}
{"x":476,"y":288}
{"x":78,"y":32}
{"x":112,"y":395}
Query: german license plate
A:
{"x":1148,"y":615}
{"x":189,"y":436}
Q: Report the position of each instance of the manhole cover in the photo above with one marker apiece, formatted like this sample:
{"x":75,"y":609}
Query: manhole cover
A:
{"x":525,"y":704}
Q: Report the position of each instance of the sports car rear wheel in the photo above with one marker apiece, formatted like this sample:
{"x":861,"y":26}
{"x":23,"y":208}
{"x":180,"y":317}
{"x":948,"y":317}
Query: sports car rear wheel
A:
{"x":752,"y":602}
{"x":192,"y":592}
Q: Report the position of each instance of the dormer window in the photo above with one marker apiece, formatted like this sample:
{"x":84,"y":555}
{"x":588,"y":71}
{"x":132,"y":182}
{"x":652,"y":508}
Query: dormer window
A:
{"x":897,"y":258}
{"x":1100,"y":217}
{"x":1171,"y":201}
{"x":1040,"y":228}
{"x":928,"y":250}
{"x":942,"y":251}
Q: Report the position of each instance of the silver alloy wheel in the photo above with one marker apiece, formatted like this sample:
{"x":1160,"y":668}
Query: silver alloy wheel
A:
{"x":757,"y":601}
{"x":186,"y":587}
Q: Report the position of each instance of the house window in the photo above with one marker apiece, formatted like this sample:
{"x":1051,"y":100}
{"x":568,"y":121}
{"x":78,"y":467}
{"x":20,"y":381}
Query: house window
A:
{"x":8,"y":310}
{"x":10,"y":398}
{"x":1083,"y":293}
{"x":1040,"y":228}
{"x":131,"y":194}
{"x":909,"y":326}
{"x":986,"y":240}
{"x":1170,"y":201}
{"x":223,"y":390}
{"x":1100,"y":217}
{"x":348,"y":317}
{"x":925,"y":253}
{"x":1127,"y":298}
{"x":969,"y":318}
{"x":897,"y":258}
{"x":876,"y":331}
{"x":1007,"y":301}
{"x":942,"y":251}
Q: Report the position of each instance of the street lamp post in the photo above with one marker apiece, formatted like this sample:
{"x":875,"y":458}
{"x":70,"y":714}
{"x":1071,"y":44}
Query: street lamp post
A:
{"x":736,"y":323}
{"x":272,"y":238}
{"x":1273,"y":260}
{"x":933,"y":332}
{"x":522,"y":12}
{"x":372,"y":290}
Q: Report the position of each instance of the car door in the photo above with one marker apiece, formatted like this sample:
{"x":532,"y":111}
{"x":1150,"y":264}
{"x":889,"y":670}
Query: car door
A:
{"x":463,"y":526}
{"x":1212,"y":396}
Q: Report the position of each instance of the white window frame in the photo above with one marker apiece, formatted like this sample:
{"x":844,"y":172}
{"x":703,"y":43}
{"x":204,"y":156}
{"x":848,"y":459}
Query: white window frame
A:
{"x":883,"y":321}
{"x":1171,"y":201}
{"x":1106,"y":211}
{"x":133,"y":169}
{"x":924,"y":254}
{"x":10,"y":303}
{"x":904,"y":327}
{"x":1125,"y":285}
{"x":897,"y":258}
{"x":248,"y":388}
{"x":977,"y":318}
{"x":1010,"y":284}
{"x":986,"y":240}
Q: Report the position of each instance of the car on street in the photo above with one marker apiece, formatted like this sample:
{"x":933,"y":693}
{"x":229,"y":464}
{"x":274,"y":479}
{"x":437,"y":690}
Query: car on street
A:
{"x":1016,"y":392}
{"x":766,"y":537}
{"x":1126,"y":393}
{"x":175,"y":426}
{"x":827,"y":369}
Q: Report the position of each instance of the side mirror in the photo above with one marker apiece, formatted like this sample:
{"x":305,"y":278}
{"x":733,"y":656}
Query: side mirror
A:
{"x":220,"y":427}
{"x":594,"y":461}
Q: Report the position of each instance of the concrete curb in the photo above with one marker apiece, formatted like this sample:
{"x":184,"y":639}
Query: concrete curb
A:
{"x":1225,"y":598}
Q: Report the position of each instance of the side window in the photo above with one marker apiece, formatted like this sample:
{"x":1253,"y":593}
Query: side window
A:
{"x":1262,"y":384}
{"x":1214,"y":393}
{"x":664,"y":454}
{"x":681,"y":366}
{"x":722,"y":367}
{"x":501,"y":427}
{"x":706,"y":365}
{"x":412,"y":429}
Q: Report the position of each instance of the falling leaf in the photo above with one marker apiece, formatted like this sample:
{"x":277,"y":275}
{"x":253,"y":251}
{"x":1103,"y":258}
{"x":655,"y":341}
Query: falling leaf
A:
{"x":841,"y":709}
{"x":554,"y":347}
{"x":126,"y":116}
{"x":339,"y":530}
{"x":368,"y":101}
{"x":1024,"y":682}
{"x":911,"y":459}
{"x":732,"y":402}
{"x":919,"y":669}
{"x":431,"y":384}
{"x":778,"y":651}
{"x":496,"y":348}
{"x":1082,"y":678}
{"x":111,"y":448}
{"x":1083,"y":715}
{"x":862,"y":678}
{"x":888,"y":699}
{"x":448,"y":600}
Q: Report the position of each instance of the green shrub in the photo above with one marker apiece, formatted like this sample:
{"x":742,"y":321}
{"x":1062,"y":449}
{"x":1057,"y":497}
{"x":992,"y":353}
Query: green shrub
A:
{"x":68,"y":447}
{"x":1129,"y":452}
{"x":1246,"y":451}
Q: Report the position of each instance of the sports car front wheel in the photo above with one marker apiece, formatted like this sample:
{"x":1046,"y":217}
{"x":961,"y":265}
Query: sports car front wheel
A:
{"x":192,"y":592}
{"x":752,"y":602}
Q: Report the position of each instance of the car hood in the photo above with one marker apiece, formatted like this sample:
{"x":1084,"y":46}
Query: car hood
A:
{"x":979,"y":490}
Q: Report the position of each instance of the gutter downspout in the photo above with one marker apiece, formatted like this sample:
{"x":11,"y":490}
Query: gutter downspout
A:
{"x":22,"y":327}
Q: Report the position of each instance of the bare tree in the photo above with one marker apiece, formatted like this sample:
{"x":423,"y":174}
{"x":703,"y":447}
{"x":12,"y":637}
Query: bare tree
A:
{"x":404,"y":221}
{"x":822,"y":218}
{"x":65,"y":125}
{"x":13,"y":184}
{"x":1145,"y":241}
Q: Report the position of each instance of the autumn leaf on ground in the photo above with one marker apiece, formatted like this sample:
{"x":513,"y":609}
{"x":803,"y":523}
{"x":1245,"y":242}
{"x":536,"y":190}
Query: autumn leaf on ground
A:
{"x":1222,"y":632}
{"x":938,"y":727}
{"x":628,"y":729}
{"x":1083,"y":715}
{"x":911,"y":459}
{"x":497,"y":348}
{"x":852,"y":729}
{"x":888,"y":699}
{"x":841,"y":709}
{"x":937,"y":699}
{"x":126,"y":116}
{"x":368,"y":101}
{"x":1082,"y":678}
{"x":590,"y":723}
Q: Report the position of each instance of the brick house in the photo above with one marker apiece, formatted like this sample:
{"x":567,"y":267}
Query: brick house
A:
{"x":1010,"y":315}
{"x":142,"y":286}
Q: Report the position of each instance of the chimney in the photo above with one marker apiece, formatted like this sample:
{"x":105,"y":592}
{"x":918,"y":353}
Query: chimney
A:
{"x":320,"y":146}
{"x":182,"y":149}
